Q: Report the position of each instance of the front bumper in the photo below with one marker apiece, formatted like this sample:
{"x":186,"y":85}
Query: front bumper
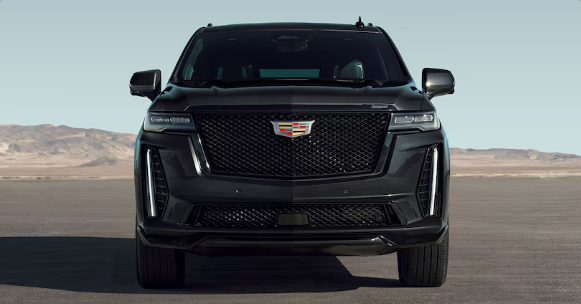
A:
{"x":358,"y":242}
{"x":190,"y":185}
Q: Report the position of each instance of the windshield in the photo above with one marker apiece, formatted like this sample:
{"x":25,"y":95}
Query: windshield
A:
{"x":259,"y":56}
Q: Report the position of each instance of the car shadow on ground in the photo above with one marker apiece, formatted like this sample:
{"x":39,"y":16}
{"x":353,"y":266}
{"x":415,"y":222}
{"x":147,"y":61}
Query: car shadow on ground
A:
{"x":91,"y":264}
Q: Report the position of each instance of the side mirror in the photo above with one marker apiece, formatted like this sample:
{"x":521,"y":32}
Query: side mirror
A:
{"x":437,"y":82}
{"x":146,"y":83}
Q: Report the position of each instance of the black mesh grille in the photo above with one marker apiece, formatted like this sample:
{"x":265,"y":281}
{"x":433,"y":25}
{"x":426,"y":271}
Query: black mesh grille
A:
{"x":320,"y":215}
{"x":245,"y":144}
{"x":424,"y":188}
{"x":159,"y":183}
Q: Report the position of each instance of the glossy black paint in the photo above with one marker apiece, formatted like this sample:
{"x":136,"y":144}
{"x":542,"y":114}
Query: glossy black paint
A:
{"x":288,"y":98}
{"x":394,"y":182}
{"x":146,"y":83}
{"x":252,"y":243}
{"x":437,"y":82}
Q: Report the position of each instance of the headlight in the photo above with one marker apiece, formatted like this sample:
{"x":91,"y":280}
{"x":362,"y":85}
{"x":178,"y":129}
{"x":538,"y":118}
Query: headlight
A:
{"x":424,"y":121}
{"x":159,"y":122}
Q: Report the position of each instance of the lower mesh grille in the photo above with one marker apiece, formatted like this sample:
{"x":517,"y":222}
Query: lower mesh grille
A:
{"x":320,"y":215}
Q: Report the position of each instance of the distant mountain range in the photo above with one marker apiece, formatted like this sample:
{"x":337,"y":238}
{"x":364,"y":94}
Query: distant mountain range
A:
{"x":61,"y":146}
{"x":512,"y":158}
{"x":57,"y":146}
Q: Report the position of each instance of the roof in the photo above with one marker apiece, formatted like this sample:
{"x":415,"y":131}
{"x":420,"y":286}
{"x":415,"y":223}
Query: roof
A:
{"x":289,"y":25}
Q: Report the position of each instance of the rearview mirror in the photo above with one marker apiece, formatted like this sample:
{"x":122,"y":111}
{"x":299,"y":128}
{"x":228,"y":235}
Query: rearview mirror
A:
{"x":146,"y":83}
{"x":437,"y":82}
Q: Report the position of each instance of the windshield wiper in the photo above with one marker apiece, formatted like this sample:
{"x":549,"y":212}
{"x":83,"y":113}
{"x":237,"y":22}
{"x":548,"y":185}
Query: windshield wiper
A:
{"x":347,"y":82}
{"x":218,"y":82}
{"x":378,"y":83}
{"x":363,"y":82}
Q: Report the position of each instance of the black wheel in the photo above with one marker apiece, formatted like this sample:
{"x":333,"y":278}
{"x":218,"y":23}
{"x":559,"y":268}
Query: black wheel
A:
{"x":424,"y":266}
{"x":159,"y":267}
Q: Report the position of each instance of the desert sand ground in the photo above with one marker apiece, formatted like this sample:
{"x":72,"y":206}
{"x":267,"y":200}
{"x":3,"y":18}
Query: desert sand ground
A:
{"x":513,"y":240}
{"x":519,"y":171}
{"x":124,"y":171}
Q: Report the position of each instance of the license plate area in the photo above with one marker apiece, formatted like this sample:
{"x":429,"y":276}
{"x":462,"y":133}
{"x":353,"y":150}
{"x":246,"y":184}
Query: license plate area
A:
{"x":294,"y":219}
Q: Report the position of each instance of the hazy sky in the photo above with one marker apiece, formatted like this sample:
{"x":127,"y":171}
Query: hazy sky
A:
{"x":517,"y":63}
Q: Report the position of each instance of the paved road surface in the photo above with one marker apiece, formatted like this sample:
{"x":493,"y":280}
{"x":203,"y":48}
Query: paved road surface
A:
{"x":513,"y":240}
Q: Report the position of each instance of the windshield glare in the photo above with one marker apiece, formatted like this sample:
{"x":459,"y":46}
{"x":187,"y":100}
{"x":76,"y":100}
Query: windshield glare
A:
{"x":291,"y":54}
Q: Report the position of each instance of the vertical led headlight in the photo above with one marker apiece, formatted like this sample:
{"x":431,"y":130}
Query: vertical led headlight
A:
{"x":150,"y":184}
{"x":434,"y":181}
{"x":429,"y":197}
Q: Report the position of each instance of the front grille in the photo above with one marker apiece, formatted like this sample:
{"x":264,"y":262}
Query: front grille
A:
{"x":339,"y":144}
{"x":424,"y":188}
{"x":159,"y":184}
{"x":320,"y":215}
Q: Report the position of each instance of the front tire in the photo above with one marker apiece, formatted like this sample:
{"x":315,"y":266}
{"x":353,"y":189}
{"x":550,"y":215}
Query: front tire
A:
{"x":159,"y":267}
{"x":424,"y":266}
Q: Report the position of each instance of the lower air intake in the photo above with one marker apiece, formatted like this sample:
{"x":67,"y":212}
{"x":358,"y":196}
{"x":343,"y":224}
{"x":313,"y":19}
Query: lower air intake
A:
{"x":320,"y":215}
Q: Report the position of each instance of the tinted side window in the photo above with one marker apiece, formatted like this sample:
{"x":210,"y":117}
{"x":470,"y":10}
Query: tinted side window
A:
{"x":188,"y":69}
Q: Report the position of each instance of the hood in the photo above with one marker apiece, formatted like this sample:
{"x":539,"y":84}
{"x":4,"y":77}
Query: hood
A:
{"x":290,"y":98}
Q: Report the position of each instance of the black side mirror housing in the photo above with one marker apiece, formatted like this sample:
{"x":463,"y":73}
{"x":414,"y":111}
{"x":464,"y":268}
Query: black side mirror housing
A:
{"x":437,"y":82}
{"x":146,"y":84}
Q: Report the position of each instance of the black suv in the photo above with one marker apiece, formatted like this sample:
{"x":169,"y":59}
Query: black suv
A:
{"x":287,"y":139}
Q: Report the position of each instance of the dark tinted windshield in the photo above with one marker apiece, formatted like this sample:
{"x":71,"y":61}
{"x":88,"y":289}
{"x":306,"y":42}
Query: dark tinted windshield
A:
{"x":291,"y":54}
